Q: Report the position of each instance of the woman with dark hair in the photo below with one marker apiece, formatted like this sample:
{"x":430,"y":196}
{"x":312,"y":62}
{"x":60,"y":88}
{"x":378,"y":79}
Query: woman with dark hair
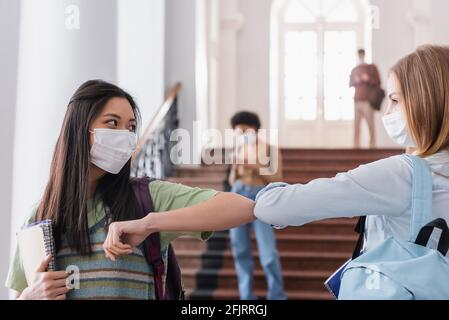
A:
{"x":246,"y":180}
{"x":89,"y":188}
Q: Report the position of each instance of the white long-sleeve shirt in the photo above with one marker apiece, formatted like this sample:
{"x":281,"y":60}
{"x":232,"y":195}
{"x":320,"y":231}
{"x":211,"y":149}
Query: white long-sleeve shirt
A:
{"x":381,"y":190}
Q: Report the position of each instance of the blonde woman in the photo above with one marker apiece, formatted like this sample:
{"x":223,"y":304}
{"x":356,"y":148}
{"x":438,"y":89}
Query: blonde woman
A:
{"x":417,"y":116}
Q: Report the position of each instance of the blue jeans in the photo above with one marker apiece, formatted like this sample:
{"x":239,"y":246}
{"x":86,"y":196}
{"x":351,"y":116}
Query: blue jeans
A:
{"x":269,"y":257}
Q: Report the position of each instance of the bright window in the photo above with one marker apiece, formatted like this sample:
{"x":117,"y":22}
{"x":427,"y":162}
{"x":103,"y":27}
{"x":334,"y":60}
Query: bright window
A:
{"x":318,"y":51}
{"x":339,"y":49}
{"x":300,"y":75}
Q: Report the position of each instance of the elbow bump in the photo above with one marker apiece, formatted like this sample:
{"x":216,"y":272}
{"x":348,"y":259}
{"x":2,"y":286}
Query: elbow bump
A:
{"x":264,"y":213}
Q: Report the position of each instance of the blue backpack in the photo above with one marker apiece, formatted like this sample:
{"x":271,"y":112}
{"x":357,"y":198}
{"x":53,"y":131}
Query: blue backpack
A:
{"x":404,"y":270}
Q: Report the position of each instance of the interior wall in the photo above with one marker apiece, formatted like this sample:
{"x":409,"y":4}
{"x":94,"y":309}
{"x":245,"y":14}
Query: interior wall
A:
{"x":180,"y":56}
{"x":140,"y":53}
{"x":395,"y":37}
{"x":9,"y":37}
{"x":439,"y":21}
{"x":253,"y":58}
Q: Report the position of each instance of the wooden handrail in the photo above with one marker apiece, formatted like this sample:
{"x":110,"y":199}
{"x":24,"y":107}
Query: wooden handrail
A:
{"x":160,"y":115}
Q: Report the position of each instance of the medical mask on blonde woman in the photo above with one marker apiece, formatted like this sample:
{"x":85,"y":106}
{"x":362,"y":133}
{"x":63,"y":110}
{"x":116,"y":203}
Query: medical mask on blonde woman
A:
{"x":396,"y":127}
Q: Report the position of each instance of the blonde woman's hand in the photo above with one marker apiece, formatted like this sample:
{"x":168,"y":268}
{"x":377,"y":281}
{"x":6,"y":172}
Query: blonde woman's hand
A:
{"x":123,"y":237}
{"x":46,"y":285}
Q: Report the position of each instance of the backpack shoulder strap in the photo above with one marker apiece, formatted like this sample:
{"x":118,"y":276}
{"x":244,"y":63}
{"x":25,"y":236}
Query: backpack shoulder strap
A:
{"x":421,"y":202}
{"x":360,"y":229}
{"x":174,"y":289}
{"x":421,"y":195}
{"x":143,"y":197}
{"x":153,"y":243}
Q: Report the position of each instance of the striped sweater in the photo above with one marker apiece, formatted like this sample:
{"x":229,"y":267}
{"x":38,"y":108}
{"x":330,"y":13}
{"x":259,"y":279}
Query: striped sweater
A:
{"x":127,"y":278}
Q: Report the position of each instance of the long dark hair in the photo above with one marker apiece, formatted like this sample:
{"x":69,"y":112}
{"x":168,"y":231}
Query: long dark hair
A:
{"x":66,"y":195}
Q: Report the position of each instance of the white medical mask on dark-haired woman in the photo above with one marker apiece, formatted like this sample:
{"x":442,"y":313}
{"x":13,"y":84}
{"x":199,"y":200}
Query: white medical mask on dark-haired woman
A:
{"x":112,"y":149}
{"x":396,"y":127}
{"x":247,"y":139}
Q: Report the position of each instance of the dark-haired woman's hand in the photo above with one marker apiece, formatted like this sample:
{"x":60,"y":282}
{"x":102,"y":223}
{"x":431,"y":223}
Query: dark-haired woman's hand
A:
{"x":46,"y":285}
{"x":123,"y":236}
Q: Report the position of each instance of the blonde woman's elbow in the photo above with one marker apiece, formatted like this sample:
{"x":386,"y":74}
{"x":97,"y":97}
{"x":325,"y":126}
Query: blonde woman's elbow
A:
{"x":281,"y":206}
{"x":266,"y":211}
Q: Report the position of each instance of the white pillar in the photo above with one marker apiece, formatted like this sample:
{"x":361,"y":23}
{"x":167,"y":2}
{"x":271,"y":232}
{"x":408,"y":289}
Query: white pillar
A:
{"x":180,"y":56}
{"x":9,"y":34}
{"x":420,"y":18}
{"x":231,"y":22}
{"x":141,"y":46}
{"x":201,"y":75}
{"x":213,"y":52}
{"x":53,"y":61}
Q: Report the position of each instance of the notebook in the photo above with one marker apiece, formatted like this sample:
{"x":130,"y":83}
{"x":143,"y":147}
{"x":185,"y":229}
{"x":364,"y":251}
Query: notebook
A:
{"x":334,"y":281}
{"x":36,"y":242}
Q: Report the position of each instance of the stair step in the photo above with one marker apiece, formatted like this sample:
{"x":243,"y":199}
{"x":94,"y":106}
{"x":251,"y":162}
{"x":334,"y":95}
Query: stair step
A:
{"x":285,"y":242}
{"x":306,"y":177}
{"x":309,"y":254}
{"x":290,"y":260}
{"x":338,"y":164}
{"x":340,"y":153}
{"x":325,"y":230}
{"x":361,"y":155}
{"x":217,"y":182}
{"x":325,"y":227}
{"x":292,"y":170}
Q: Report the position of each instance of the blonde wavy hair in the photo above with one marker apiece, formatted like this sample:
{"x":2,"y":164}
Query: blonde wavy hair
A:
{"x":424,"y":82}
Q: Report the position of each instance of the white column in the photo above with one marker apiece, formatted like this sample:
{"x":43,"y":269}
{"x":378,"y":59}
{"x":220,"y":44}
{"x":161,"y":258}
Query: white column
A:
{"x":440,"y":22}
{"x":54,"y":60}
{"x":420,"y":18}
{"x":141,"y":46}
{"x":9,"y":34}
{"x":180,"y":56}
{"x":231,"y":22}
